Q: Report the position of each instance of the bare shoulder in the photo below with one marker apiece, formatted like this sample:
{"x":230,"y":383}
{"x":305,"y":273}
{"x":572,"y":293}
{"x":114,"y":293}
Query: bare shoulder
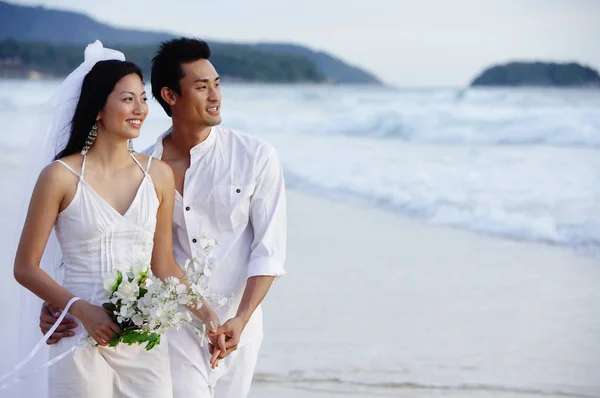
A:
{"x":143,"y":159}
{"x":58,"y":175}
{"x":74,"y":161}
{"x":161,"y":173}
{"x":161,"y":169}
{"x":53,"y":183}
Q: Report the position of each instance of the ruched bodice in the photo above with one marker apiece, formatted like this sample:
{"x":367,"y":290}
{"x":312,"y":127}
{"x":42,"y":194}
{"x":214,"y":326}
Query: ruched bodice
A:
{"x":95,"y":238}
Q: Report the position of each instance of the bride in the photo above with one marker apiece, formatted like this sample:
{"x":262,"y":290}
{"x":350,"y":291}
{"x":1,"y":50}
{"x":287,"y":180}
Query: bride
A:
{"x":110,"y":208}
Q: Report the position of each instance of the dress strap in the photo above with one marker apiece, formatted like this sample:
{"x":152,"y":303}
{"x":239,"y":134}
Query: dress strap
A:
{"x":138,"y":163}
{"x":83,"y":166}
{"x":68,"y":167}
{"x":148,"y":165}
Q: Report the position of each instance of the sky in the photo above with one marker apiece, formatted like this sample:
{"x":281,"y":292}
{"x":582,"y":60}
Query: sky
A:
{"x":421,"y":43}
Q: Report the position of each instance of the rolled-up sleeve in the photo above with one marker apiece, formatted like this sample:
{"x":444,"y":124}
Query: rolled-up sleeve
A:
{"x":268,"y":216}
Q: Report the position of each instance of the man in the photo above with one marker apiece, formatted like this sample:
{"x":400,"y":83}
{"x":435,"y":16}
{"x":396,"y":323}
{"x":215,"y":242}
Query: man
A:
{"x":229,"y":187}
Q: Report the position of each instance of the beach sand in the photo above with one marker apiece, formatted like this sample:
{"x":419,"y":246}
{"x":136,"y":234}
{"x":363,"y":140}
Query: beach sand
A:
{"x":478,"y":316}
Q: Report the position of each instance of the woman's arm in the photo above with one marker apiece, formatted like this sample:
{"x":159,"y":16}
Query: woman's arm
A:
{"x":46,"y":201}
{"x":163,"y":262}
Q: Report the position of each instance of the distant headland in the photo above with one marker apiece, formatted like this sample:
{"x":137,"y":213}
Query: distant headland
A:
{"x":544,"y":74}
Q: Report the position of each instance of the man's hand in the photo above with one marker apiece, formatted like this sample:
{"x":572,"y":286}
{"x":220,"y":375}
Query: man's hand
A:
{"x":229,"y":335}
{"x":48,"y":316}
{"x":226,"y":338}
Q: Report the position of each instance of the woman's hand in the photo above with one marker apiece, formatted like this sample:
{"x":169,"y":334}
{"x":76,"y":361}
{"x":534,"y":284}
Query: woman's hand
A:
{"x":96,"y":320}
{"x":209,"y":317}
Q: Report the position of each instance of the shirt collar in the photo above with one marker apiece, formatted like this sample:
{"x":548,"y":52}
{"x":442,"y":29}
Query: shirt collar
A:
{"x":199,"y":149}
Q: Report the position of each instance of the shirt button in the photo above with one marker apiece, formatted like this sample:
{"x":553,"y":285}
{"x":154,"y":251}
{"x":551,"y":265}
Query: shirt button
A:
{"x":194,"y":240}
{"x":187,"y":208}
{"x":238,"y":190}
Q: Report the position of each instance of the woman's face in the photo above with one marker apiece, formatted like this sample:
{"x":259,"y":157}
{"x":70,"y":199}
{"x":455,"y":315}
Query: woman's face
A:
{"x":125,"y":108}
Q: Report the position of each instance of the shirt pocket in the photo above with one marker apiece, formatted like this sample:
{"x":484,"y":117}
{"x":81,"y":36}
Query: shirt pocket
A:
{"x":232,"y":206}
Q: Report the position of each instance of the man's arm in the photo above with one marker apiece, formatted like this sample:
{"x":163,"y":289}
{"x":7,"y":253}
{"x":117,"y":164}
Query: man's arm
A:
{"x":268,"y":219}
{"x":256,"y":289}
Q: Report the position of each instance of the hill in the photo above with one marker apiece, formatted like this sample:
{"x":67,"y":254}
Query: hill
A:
{"x":538,"y":74}
{"x":64,"y":30}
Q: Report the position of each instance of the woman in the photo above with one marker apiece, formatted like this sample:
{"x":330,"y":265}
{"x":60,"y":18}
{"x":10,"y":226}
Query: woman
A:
{"x":110,"y":208}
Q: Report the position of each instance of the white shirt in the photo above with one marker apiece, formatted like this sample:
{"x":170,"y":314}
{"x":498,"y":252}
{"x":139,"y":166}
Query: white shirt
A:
{"x":234,"y":192}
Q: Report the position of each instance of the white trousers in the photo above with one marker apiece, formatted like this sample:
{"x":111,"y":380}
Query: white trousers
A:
{"x":193,"y":377}
{"x":111,"y":372}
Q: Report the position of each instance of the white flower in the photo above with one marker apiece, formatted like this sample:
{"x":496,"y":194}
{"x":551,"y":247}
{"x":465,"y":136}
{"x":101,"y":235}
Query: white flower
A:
{"x":140,"y":270}
{"x":127,"y":291}
{"x":181,"y":289}
{"x":127,"y":310}
{"x":222,"y":301}
{"x":204,"y":242}
{"x":171,"y":280}
{"x":110,"y":281}
{"x":137,"y":319}
{"x":210,"y":251}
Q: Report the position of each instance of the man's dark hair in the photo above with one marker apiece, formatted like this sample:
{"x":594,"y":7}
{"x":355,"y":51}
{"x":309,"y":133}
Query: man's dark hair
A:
{"x":166,"y":64}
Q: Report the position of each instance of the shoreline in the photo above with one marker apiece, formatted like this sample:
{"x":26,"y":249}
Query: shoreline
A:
{"x":492,"y":302}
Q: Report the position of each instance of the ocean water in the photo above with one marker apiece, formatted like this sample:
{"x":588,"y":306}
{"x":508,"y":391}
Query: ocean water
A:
{"x":522,"y":164}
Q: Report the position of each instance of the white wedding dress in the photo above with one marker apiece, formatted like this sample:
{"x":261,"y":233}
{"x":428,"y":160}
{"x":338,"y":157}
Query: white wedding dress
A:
{"x":95,"y":239}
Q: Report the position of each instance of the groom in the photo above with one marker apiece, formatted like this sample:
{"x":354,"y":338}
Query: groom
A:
{"x":229,"y":187}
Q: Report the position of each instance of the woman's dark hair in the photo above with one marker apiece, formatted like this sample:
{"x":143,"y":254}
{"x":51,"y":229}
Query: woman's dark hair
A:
{"x":97,"y":86}
{"x":166,"y":65}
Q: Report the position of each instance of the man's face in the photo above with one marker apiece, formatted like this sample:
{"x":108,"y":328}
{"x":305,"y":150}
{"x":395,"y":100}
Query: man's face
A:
{"x":200,"y":99}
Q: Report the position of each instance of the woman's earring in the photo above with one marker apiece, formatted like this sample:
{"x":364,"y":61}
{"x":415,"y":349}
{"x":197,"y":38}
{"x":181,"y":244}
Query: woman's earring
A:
{"x":90,"y":139}
{"x":130,"y":146}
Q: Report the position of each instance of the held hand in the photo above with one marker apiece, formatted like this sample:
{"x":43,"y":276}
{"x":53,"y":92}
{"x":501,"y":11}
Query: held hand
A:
{"x":48,"y":316}
{"x":219,"y":353}
{"x":229,"y":337}
{"x":216,"y":346}
{"x":209,"y":317}
{"x":97,"y":321}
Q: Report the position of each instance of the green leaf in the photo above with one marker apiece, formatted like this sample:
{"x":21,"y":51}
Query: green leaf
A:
{"x":130,"y":328}
{"x":109,"y":306}
{"x":153,"y":340}
{"x":130,"y":337}
{"x":117,"y":283}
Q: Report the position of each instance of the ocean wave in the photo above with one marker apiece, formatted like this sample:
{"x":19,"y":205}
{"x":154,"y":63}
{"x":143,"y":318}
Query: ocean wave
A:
{"x":541,"y":194}
{"x":582,"y":235}
{"x":463,"y":126}
{"x":443,"y":116}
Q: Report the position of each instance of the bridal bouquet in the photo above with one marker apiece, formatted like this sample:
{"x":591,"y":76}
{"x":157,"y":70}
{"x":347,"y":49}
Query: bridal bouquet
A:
{"x":145,"y":307}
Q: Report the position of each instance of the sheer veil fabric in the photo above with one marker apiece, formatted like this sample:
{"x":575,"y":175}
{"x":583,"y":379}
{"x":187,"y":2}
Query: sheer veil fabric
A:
{"x":49,"y":138}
